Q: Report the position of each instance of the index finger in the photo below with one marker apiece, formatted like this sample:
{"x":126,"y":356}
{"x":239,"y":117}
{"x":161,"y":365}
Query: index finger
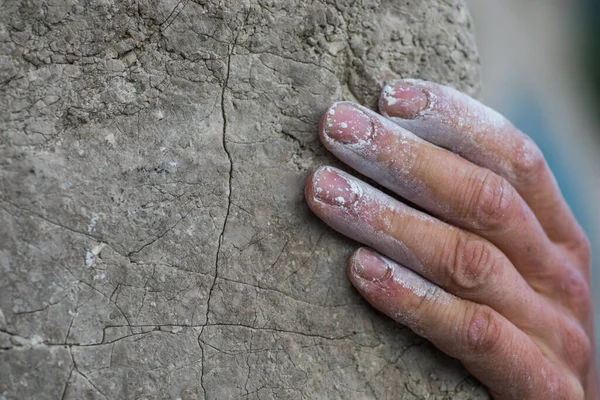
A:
{"x":455,"y":121}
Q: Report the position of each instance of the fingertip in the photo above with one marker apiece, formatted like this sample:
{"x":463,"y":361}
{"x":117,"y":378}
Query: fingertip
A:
{"x":345,"y":123}
{"x":369,"y":266}
{"x":354,"y":264}
{"x":382,"y":104}
{"x":309,"y":187}
{"x":322,"y":122}
{"x":404,"y":99}
{"x":330,"y":187}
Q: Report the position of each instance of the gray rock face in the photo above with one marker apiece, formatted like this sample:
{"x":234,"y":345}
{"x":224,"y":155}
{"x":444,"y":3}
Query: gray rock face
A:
{"x":154,"y":240}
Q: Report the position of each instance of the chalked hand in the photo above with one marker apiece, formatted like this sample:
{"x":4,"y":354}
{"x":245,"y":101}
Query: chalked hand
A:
{"x":491,"y":267}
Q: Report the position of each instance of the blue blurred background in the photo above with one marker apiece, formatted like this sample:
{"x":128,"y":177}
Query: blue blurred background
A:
{"x":541,"y":68}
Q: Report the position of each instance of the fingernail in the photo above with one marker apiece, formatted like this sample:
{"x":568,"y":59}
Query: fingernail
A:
{"x":347,"y":124}
{"x":371,"y":267}
{"x":333,"y":189}
{"x":403,"y":100}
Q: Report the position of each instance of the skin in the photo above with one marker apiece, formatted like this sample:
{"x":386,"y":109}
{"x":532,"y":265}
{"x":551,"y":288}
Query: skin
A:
{"x":492,"y":268}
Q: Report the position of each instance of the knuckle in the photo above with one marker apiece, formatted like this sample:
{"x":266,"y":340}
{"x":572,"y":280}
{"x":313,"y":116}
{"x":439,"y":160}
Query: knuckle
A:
{"x":577,"y":346}
{"x":484,"y":331}
{"x":578,"y":293}
{"x":492,"y":201}
{"x":529,"y":161}
{"x":475,"y":264}
{"x":580,"y":246}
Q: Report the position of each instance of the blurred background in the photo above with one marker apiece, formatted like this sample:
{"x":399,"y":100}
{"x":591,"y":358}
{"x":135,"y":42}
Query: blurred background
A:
{"x":541,"y":68}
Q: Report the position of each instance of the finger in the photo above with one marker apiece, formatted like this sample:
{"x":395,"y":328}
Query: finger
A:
{"x":501,"y":356}
{"x":445,"y":184}
{"x":460,"y":262}
{"x":455,"y":121}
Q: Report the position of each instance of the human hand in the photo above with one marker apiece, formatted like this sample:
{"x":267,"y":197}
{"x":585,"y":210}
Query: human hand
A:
{"x":495,"y":271}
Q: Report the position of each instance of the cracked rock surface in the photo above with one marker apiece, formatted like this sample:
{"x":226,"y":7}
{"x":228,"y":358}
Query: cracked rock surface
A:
{"x":154,"y":240}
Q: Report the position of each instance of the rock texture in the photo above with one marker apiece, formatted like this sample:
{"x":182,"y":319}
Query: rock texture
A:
{"x":154,"y":240}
